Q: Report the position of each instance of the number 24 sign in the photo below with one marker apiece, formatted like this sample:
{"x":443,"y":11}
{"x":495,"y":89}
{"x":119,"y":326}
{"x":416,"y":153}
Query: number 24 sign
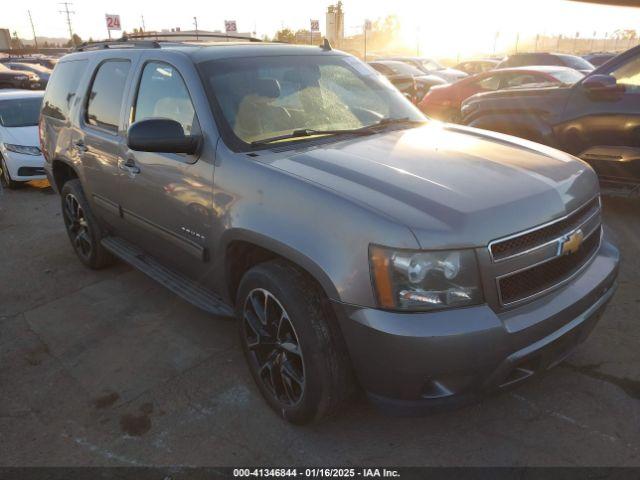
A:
{"x":113,"y":22}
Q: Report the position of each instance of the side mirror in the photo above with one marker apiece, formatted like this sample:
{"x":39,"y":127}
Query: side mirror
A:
{"x":161,"y":135}
{"x":602,"y":86}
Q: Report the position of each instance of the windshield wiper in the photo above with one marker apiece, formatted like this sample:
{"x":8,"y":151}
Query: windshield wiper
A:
{"x":366,"y":130}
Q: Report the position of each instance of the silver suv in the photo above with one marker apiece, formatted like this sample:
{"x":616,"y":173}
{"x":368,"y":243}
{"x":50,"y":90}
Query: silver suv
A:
{"x":358,"y":243}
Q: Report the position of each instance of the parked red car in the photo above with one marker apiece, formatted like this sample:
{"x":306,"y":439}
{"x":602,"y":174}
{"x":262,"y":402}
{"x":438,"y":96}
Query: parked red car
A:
{"x":443,"y":101}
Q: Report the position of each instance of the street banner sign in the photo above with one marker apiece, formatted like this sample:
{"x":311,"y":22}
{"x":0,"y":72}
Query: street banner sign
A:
{"x":230,"y":26}
{"x":367,"y":24}
{"x":113,"y":22}
{"x":315,"y":25}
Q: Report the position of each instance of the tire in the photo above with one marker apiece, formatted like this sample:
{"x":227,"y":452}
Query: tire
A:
{"x":82,"y":227}
{"x":6,"y":176}
{"x":301,"y":367}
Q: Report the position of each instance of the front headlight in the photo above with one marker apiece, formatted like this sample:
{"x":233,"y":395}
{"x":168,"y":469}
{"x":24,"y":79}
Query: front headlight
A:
{"x":419,"y":280}
{"x":23,"y":149}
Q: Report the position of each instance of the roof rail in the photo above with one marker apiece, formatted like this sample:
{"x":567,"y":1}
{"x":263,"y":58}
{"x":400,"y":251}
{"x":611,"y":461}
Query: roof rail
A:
{"x":120,"y":43}
{"x":160,"y":36}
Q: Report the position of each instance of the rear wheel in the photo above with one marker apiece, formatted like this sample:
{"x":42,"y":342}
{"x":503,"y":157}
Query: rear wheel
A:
{"x":6,"y":176}
{"x":82,"y":227}
{"x":292,"y":344}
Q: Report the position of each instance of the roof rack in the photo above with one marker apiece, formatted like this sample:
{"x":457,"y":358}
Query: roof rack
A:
{"x":158,"y":36}
{"x":120,"y":43}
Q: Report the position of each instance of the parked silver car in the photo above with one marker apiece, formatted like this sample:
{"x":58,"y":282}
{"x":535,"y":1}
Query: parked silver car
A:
{"x":356,"y":242}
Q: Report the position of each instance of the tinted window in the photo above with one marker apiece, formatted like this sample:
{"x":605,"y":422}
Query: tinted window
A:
{"x":107,"y":90}
{"x":163,"y":94}
{"x":20,"y":112}
{"x":489,"y":83}
{"x":61,"y":90}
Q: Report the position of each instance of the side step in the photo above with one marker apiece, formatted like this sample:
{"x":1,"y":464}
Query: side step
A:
{"x":189,"y":290}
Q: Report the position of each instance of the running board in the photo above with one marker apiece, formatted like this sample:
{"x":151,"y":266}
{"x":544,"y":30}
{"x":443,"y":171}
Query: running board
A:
{"x":189,"y":290}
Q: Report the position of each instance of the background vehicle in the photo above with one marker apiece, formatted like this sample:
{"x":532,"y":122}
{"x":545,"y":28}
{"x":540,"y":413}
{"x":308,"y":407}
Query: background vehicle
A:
{"x":597,"y":119}
{"x":20,"y":156}
{"x":46,"y":62}
{"x":444,"y":102}
{"x":557,"y":59}
{"x":17,"y":79}
{"x":43,"y":73}
{"x":293,"y":186}
{"x":597,"y":59}
{"x":472,"y":67}
{"x":430,"y":67}
{"x":408,"y":79}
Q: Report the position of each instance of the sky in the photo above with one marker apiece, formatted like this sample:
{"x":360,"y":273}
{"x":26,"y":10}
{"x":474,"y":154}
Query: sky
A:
{"x":461,"y":22}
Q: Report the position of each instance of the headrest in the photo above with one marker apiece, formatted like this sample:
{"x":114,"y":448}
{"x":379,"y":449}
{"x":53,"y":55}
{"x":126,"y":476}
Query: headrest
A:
{"x":267,"y":87}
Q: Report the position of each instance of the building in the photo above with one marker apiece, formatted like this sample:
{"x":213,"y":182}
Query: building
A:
{"x":335,"y":24}
{"x":5,"y":39}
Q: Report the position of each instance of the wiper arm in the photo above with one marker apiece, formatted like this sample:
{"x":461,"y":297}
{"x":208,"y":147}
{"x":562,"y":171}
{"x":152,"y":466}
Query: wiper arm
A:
{"x":309,"y":132}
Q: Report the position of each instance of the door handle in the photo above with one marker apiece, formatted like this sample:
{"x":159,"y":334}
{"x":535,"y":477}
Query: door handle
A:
{"x":80,"y":146}
{"x":129,"y":165}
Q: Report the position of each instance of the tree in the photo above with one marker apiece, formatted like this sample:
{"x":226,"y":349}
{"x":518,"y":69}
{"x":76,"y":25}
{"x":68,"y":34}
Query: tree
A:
{"x":74,"y":42}
{"x":285,"y":35}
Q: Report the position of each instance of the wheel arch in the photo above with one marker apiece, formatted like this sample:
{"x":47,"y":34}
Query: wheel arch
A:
{"x":244,"y":249}
{"x":62,"y":172}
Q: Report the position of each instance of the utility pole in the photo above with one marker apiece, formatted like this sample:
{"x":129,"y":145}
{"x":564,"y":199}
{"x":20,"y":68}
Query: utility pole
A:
{"x":195,"y":22}
{"x":68,"y":13}
{"x":33,"y":29}
{"x":144,"y":28}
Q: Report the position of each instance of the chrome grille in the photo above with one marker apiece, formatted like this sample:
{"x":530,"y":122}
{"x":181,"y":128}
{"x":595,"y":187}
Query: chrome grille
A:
{"x":542,"y":277}
{"x":531,"y":263}
{"x":523,"y":242}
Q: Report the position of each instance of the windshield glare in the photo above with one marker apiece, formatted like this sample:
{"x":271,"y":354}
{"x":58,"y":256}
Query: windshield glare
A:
{"x":22,"y":112}
{"x":568,"y":76}
{"x":260,"y":98}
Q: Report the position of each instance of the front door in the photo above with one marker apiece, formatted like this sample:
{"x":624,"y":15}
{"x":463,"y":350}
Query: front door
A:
{"x":611,"y":120}
{"x":166,"y":198}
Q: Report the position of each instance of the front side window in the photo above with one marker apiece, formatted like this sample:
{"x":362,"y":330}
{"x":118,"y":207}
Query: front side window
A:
{"x":264,"y":97}
{"x":107,"y":91}
{"x":163,"y":94}
{"x":629,"y":74}
{"x":20,"y":112}
{"x":491,"y":82}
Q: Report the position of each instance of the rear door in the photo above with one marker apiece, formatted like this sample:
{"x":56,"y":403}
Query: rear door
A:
{"x":101,"y":143}
{"x":167,"y":198}
{"x":608,"y":120}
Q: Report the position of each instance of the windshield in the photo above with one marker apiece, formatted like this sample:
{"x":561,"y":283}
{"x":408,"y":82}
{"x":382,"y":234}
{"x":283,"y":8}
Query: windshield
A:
{"x":20,"y":112}
{"x":30,"y":67}
{"x":264,"y":97}
{"x":576,"y":62}
{"x":568,"y":77}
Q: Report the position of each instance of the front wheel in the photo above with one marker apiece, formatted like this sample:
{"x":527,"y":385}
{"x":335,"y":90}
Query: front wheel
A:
{"x":6,"y":176}
{"x":292,"y":343}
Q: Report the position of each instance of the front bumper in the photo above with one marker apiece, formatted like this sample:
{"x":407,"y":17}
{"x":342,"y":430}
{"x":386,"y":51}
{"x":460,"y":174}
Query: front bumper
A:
{"x":410,"y":363}
{"x":23,"y":168}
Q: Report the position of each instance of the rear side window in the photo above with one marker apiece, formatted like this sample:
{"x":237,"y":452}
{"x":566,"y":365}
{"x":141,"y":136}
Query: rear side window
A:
{"x":163,"y":94}
{"x":107,"y":91}
{"x":61,"y":90}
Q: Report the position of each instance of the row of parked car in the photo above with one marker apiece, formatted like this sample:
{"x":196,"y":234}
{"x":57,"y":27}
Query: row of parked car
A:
{"x":559,"y":100}
{"x":31,"y":73}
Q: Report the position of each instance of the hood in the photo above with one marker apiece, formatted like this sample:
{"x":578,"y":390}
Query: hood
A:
{"x":26,"y":136}
{"x":452,"y":186}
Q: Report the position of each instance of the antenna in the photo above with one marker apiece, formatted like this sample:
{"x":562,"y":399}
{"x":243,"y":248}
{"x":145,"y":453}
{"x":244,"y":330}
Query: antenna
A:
{"x":68,"y":13}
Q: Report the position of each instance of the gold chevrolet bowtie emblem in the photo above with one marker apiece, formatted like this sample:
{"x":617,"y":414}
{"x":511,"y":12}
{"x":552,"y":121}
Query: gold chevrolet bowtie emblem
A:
{"x":571,"y":243}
